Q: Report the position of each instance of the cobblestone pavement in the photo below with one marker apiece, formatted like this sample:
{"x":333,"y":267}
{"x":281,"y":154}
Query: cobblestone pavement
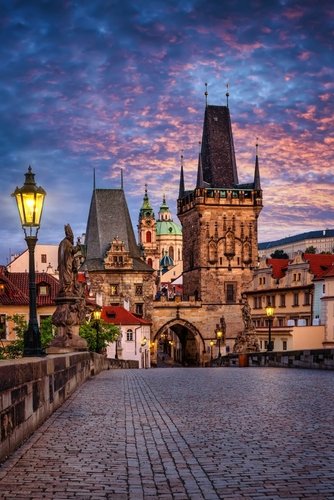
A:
{"x":184,"y":433}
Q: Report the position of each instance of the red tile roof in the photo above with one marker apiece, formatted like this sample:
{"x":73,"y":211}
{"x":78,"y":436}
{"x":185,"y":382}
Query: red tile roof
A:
{"x":117,"y":315}
{"x":16,"y":288}
{"x":319,"y":263}
{"x":279,"y":267}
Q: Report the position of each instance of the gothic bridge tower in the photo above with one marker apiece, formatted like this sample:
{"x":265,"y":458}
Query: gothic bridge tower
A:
{"x":219,"y":222}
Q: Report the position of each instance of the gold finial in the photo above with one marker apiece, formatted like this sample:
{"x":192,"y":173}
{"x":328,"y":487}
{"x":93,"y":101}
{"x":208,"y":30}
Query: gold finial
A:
{"x":227,"y":94}
{"x":206,"y":94}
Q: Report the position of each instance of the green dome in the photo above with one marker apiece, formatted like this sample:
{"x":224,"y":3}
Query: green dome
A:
{"x":168,"y":227}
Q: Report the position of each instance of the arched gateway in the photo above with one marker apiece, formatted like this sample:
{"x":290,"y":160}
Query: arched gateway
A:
{"x":178,"y":343}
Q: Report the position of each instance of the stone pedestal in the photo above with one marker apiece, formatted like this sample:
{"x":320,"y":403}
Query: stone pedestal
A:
{"x":68,"y":316}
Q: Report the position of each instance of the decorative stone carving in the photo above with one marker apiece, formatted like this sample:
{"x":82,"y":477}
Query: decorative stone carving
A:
{"x":71,"y":303}
{"x":246,"y":341}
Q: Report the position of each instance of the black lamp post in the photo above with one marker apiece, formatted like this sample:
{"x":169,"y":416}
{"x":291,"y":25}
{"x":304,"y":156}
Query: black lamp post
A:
{"x":211,"y":348}
{"x":219,"y":335}
{"x":270,"y":311}
{"x":97,"y":317}
{"x":30,"y":201}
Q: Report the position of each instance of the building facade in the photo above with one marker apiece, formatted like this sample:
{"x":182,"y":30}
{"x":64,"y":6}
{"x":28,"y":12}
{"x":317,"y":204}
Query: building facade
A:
{"x":219,"y":219}
{"x":114,"y":266}
{"x":322,"y":241}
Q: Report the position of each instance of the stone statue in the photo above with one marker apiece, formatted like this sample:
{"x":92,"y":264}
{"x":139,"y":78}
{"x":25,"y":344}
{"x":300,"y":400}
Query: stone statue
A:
{"x":71,"y":302}
{"x":68,"y":265}
{"x":246,"y":341}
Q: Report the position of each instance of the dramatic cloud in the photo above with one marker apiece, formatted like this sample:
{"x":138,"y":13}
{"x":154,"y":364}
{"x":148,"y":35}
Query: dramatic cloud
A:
{"x":120,"y":85}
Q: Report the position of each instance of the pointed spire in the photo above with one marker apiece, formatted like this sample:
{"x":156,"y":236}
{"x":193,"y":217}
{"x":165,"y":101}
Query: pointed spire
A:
{"x":206,"y":94}
{"x":121,"y":178}
{"x":146,"y":209}
{"x":257,"y":183}
{"x":94,"y":183}
{"x":200,"y":179}
{"x":181,"y":188}
{"x":227,"y":94}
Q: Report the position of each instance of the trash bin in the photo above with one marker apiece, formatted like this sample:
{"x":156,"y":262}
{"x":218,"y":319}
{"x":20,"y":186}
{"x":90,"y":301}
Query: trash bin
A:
{"x":243,"y":360}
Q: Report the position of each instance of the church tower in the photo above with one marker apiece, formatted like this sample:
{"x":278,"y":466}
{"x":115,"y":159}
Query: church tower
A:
{"x":219,"y":219}
{"x":147,"y":232}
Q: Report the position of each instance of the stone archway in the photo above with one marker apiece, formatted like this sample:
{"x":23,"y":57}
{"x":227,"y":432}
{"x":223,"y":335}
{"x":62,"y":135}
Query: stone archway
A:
{"x":178,"y":343}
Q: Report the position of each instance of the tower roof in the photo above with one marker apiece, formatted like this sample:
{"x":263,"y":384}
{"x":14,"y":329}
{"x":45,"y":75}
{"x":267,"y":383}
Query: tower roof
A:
{"x":218,"y":156}
{"x":109,"y":218}
{"x":146,"y":209}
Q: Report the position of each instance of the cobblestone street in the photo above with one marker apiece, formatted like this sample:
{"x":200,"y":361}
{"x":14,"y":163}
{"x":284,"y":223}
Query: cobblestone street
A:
{"x":224,"y":433}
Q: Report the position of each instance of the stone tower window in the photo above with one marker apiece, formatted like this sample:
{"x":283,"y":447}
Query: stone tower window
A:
{"x":148,"y":237}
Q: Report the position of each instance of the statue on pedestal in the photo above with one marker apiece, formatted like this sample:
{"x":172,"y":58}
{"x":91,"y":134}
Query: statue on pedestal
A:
{"x":246,"y":341}
{"x":71,"y":304}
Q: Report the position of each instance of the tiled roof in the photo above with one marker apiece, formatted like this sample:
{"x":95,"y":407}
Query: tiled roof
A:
{"x":17,"y":288}
{"x":109,"y":218}
{"x":217,"y":153}
{"x":117,"y":315}
{"x":319,"y":263}
{"x":297,"y":237}
{"x":279,"y":267}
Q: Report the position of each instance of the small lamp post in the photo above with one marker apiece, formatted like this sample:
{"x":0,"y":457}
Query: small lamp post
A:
{"x":211,"y":348}
{"x":97,"y":317}
{"x":219,"y":335}
{"x":270,"y":311}
{"x":30,"y":201}
{"x":143,"y":344}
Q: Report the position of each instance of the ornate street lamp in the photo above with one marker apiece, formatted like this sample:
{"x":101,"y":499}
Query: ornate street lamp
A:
{"x":97,"y":317}
{"x":270,"y":311}
{"x":30,"y":201}
{"x":219,"y":335}
{"x":211,"y":348}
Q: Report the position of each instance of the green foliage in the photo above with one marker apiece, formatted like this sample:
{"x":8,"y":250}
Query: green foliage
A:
{"x":311,"y":249}
{"x":106,"y":334}
{"x":279,"y":254}
{"x":15,"y":348}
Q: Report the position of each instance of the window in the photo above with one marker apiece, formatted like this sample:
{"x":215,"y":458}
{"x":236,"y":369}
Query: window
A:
{"x":296,"y":299}
{"x":282,"y":300}
{"x":113,"y":289}
{"x":148,"y":237}
{"x":2,"y":326}
{"x":43,"y":290}
{"x":2,"y":289}
{"x":280,"y":321}
{"x":270,"y":300}
{"x":307,"y":300}
{"x":150,"y":262}
{"x":294,"y":277}
{"x":323,"y":288}
{"x":139,"y":309}
{"x":285,"y":345}
{"x":299,"y":276}
{"x":171,"y":252}
{"x":139,"y":289}
{"x":129,"y":335}
{"x":43,"y":258}
{"x":230,"y":293}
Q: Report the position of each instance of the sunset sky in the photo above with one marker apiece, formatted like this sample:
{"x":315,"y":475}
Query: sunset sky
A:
{"x":107,"y":85}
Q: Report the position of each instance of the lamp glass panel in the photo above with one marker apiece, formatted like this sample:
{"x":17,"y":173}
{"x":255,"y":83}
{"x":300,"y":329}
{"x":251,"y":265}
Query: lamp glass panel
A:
{"x":97,"y":314}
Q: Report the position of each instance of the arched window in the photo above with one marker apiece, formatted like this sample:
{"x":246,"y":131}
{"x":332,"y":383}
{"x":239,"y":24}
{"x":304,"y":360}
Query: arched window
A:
{"x":150,"y":262}
{"x":179,"y":254}
{"x":148,"y":237}
{"x":171,"y":252}
{"x":129,"y":335}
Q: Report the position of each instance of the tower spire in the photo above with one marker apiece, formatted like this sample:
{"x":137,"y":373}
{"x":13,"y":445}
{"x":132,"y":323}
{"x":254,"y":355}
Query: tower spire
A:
{"x":206,"y":94}
{"x":227,"y":94}
{"x":94,"y":183}
{"x":181,"y":188}
{"x":200,"y":178}
{"x":122,"y":179}
{"x":257,"y":183}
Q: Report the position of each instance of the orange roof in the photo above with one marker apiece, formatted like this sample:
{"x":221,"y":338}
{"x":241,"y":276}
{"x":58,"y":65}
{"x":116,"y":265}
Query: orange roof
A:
{"x":117,"y":315}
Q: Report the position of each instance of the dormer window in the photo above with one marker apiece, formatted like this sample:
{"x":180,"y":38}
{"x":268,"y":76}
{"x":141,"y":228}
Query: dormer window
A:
{"x":43,"y":290}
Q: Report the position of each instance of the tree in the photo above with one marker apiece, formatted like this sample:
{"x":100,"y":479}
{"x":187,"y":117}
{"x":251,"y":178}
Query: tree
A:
{"x":279,"y":254}
{"x":311,"y":249}
{"x":107,"y":333}
{"x":15,"y":348}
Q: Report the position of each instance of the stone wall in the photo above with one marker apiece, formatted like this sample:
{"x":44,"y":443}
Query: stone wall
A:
{"x":32,"y":388}
{"x":322,"y":359}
